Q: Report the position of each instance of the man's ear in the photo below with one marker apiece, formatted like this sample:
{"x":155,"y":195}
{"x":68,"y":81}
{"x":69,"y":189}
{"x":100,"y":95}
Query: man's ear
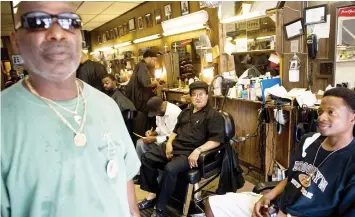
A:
{"x":14,"y":43}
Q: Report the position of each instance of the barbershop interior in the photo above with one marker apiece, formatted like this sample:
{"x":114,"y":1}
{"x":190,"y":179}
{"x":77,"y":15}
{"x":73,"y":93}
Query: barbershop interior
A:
{"x":263,"y":66}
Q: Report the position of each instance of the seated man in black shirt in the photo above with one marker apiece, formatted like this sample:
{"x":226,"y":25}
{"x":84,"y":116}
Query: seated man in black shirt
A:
{"x":198,"y":129}
{"x":321,"y":176}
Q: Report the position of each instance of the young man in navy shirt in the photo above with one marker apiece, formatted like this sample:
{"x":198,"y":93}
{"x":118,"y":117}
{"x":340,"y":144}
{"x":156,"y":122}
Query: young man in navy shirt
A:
{"x":321,"y":176}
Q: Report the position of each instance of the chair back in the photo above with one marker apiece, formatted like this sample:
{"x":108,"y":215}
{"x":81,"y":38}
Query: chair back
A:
{"x":229,"y":127}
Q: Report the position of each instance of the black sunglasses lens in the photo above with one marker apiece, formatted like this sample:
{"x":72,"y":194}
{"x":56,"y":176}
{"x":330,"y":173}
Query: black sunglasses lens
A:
{"x":67,"y":21}
{"x":39,"y":22}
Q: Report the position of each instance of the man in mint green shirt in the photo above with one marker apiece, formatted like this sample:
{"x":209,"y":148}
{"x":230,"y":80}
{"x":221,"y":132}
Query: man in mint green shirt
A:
{"x":65,"y":150}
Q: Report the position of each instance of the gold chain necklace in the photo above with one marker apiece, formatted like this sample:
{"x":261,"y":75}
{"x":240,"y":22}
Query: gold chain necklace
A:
{"x":79,"y":138}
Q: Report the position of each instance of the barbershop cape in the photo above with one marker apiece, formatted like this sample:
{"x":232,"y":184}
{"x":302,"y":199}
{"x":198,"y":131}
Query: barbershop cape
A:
{"x":231,"y":177}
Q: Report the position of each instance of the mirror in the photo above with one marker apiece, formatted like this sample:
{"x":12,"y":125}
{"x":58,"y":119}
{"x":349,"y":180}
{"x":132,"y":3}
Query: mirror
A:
{"x":189,"y":58}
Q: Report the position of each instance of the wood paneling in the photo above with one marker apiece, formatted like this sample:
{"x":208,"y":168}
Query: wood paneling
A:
{"x":245,"y":115}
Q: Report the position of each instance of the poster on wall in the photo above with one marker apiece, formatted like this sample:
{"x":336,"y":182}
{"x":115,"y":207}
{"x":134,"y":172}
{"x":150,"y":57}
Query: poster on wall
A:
{"x":140,"y":22}
{"x":167,"y":11}
{"x":346,"y":34}
{"x":148,"y":20}
{"x":131,"y":25}
{"x":185,"y":7}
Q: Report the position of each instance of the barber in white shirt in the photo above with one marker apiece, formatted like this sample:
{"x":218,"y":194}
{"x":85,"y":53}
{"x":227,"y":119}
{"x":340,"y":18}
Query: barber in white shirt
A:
{"x":166,"y":117}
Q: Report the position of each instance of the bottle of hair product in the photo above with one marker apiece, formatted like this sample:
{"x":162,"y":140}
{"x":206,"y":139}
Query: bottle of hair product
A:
{"x":240,"y":91}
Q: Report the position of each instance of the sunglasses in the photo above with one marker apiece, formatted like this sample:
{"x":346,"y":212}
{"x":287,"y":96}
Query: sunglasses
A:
{"x":43,"y":20}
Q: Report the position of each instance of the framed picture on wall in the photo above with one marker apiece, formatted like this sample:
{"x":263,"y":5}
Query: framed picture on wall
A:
{"x":120,"y":30}
{"x":167,"y":12}
{"x":104,"y":39}
{"x":125,"y":28}
{"x":294,"y":29}
{"x":99,"y":39}
{"x":203,"y":4}
{"x":157,"y":14}
{"x":184,"y":7}
{"x":117,"y":34}
{"x":112,"y":34}
{"x":315,"y":14}
{"x":148,"y":20}
{"x":140,"y":22}
{"x":131,"y":24}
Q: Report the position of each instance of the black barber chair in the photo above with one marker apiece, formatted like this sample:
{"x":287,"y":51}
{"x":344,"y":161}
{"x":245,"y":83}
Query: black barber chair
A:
{"x":210,"y":163}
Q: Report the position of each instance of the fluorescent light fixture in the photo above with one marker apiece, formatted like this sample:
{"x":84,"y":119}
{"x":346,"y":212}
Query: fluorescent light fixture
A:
{"x":123,"y":44}
{"x":85,"y":51}
{"x":244,"y":17}
{"x":188,"y":28}
{"x":94,"y":52}
{"x":105,"y":48}
{"x":189,"y":22}
{"x":148,"y":38}
{"x":265,"y":37}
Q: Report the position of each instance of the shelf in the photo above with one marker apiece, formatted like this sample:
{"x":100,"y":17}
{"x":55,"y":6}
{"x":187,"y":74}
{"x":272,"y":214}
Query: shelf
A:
{"x":254,"y":52}
{"x":239,"y":99}
{"x":343,"y":61}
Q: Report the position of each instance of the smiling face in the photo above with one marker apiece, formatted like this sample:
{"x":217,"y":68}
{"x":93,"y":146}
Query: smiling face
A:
{"x":53,"y":53}
{"x":335,"y":117}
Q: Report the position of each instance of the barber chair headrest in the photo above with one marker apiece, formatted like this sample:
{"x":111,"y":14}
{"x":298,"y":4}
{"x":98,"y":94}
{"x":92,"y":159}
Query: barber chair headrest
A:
{"x":229,"y":127}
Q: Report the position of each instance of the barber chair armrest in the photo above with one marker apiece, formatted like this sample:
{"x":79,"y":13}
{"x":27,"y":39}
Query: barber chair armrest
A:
{"x":210,"y":161}
{"x":263,"y":186}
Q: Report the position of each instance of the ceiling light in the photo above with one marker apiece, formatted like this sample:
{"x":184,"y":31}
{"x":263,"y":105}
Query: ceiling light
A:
{"x":123,"y":44}
{"x":189,"y":22}
{"x":148,"y":38}
{"x":105,"y":48}
{"x":265,"y":37}
{"x":245,"y":17}
{"x":185,"y":29}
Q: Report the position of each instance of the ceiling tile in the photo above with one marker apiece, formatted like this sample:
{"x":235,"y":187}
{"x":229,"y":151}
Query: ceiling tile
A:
{"x":103,"y":18}
{"x":120,"y":7}
{"x":93,"y":7}
{"x":92,"y":24}
{"x":86,"y":17}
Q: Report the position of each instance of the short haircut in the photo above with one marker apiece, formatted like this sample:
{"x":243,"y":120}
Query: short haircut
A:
{"x":149,"y":53}
{"x":346,"y":94}
{"x":110,"y":76}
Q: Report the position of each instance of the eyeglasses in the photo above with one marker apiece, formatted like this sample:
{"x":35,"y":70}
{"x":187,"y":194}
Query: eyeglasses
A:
{"x":198,"y":95}
{"x":43,"y":20}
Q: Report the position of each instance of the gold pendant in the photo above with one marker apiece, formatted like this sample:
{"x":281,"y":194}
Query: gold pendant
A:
{"x":305,"y":180}
{"x":80,"y":140}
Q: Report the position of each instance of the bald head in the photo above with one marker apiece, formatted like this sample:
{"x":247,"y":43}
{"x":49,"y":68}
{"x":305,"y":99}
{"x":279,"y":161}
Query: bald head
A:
{"x":55,"y":7}
{"x":44,"y":50}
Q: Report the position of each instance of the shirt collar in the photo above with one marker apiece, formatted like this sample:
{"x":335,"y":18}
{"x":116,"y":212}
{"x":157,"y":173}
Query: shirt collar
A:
{"x":204,"y":109}
{"x":168,"y":109}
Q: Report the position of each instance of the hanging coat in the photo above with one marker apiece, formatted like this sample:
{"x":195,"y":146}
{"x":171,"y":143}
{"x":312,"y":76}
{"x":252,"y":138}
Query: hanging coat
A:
{"x":231,"y":177}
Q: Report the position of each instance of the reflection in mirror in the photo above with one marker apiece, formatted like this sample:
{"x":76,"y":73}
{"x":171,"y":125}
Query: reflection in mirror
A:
{"x":256,"y":64}
{"x":189,"y":58}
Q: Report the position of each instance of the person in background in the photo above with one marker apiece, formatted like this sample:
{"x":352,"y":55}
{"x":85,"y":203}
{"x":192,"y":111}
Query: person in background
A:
{"x":126,"y":106}
{"x":166,"y":117}
{"x":14,"y":77}
{"x":140,"y":89}
{"x":314,"y":186}
{"x":61,"y":155}
{"x":199,"y":128}
{"x":91,"y":72}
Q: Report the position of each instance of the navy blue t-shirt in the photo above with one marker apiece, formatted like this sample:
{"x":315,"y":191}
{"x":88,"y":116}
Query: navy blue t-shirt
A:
{"x":332,"y":189}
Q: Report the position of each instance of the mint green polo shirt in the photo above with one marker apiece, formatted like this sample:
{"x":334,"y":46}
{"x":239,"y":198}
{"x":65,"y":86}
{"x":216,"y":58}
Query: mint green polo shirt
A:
{"x":43,"y":173}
